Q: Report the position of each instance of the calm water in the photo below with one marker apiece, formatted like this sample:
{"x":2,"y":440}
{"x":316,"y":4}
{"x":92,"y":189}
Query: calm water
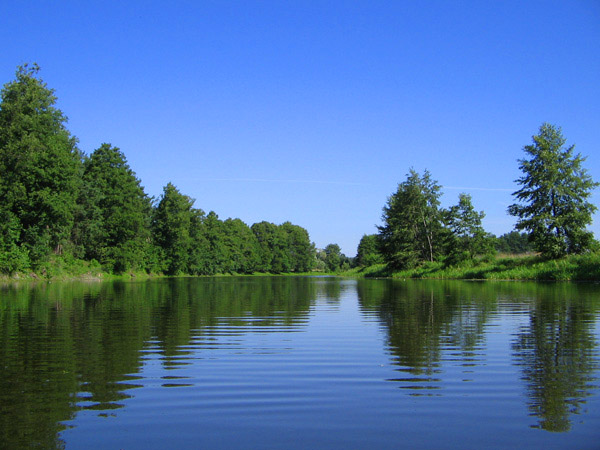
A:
{"x":299,"y":363}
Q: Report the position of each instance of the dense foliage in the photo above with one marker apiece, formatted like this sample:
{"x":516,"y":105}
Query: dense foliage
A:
{"x":368,"y":252}
{"x":40,"y":174}
{"x":553,"y":204}
{"x":412,"y":231}
{"x":514,"y":242}
{"x":58,"y":204}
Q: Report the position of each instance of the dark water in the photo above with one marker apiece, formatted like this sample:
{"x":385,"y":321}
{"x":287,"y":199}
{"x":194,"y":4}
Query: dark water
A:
{"x":299,"y":363}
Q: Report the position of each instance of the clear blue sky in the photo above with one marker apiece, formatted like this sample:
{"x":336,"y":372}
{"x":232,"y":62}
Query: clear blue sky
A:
{"x":313,"y":112}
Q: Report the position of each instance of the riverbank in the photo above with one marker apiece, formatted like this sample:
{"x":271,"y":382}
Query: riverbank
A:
{"x":515,"y":267}
{"x":524,"y":268}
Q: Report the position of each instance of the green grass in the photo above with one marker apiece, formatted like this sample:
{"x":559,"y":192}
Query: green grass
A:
{"x":503,"y":267}
{"x":571,"y":268}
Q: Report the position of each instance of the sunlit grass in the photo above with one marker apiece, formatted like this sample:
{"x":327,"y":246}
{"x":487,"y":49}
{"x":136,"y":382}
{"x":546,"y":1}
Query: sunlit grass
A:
{"x":515,"y":267}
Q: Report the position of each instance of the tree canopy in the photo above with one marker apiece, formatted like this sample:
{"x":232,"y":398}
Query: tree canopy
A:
{"x":412,"y":228}
{"x":552,"y":203}
{"x":40,"y":172}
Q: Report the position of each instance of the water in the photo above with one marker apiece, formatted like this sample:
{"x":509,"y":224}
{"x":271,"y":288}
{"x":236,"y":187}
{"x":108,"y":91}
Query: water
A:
{"x":280,"y":362}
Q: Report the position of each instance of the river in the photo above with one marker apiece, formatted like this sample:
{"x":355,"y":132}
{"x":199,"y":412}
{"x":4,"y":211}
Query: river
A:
{"x":299,"y":362}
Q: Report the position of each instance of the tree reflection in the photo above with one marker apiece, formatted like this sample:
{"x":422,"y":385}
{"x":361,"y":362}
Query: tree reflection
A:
{"x":67,"y":347}
{"x":422,"y":318}
{"x":555,"y":351}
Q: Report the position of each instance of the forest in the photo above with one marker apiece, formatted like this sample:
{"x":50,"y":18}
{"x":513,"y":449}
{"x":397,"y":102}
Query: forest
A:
{"x":60,"y":207}
{"x":63,"y":208}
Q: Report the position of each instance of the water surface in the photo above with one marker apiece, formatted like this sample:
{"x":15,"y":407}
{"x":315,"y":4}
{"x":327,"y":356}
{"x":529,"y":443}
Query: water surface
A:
{"x":304,"y":362}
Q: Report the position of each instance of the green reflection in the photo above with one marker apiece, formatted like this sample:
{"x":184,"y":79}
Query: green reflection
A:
{"x":556,"y":350}
{"x":66,"y":347}
{"x":422,"y":317}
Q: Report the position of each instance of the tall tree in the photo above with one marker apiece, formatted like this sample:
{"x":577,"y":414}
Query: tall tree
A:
{"x":172,"y":227}
{"x":467,"y":237}
{"x":553,"y":204}
{"x":114,"y":222}
{"x":412,"y":222}
{"x":300,"y":250}
{"x":40,"y":168}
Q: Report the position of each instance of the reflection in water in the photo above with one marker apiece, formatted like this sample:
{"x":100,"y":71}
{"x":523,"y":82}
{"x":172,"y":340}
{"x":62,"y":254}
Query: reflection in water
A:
{"x":74,"y":348}
{"x":421,"y":319}
{"x":431,"y":323}
{"x":67,"y":347}
{"x":555,"y":351}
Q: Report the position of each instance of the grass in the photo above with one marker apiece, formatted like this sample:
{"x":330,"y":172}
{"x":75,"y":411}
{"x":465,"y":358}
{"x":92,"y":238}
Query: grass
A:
{"x":503,"y":267}
{"x":571,"y":268}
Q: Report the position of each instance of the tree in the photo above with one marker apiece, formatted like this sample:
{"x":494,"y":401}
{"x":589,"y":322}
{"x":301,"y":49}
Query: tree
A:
{"x":467,"y":238}
{"x":300,"y":249}
{"x":513,"y":242}
{"x":40,"y":168}
{"x":333,"y":257}
{"x":172,"y":229}
{"x":274,"y":244}
{"x":553,"y":204}
{"x":113,"y":225}
{"x":368,"y":252}
{"x":412,"y":227}
{"x":242,"y":247}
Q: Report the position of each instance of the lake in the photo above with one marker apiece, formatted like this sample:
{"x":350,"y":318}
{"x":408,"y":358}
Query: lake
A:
{"x":299,"y":362}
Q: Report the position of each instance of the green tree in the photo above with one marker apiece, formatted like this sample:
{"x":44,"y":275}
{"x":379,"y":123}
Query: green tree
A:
{"x":273,"y":241}
{"x":113,"y":226}
{"x":333,"y":257}
{"x":242,"y":247}
{"x":300,"y":249}
{"x":368,"y":252}
{"x":553,"y":204}
{"x":467,"y":238}
{"x":40,"y":168}
{"x":412,"y":230}
{"x":172,"y":227}
{"x":217,"y":251}
{"x":513,"y":242}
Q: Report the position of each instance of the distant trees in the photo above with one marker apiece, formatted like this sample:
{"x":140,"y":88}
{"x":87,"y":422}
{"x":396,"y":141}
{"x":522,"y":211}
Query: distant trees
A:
{"x":514,"y":242}
{"x":552,"y":203}
{"x":368,"y":251}
{"x":283,"y":248}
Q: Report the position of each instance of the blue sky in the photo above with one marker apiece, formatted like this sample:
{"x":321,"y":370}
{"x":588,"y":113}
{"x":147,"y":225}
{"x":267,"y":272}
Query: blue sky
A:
{"x":313,"y":112}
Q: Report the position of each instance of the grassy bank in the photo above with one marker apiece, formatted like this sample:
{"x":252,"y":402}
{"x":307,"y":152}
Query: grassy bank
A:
{"x":535,"y":268}
{"x":530,"y":268}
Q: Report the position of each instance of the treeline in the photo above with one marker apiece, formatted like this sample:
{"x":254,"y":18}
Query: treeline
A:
{"x":551,"y":207}
{"x":59,"y":204}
